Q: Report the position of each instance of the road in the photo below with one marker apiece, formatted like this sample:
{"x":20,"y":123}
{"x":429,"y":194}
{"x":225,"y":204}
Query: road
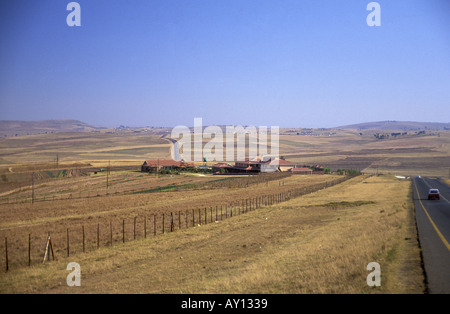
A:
{"x":175,"y":149}
{"x":433,"y":225}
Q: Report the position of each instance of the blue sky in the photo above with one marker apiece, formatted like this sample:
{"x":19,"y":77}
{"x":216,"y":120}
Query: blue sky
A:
{"x":289,"y":63}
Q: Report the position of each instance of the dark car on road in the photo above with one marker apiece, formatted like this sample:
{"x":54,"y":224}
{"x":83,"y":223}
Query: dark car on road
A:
{"x":433,"y":194}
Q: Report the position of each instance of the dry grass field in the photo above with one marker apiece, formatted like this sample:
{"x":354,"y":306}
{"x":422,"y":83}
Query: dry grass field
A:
{"x":27,"y":152}
{"x":316,"y":243}
{"x":103,"y":212}
{"x":413,"y":154}
{"x":410,"y":155}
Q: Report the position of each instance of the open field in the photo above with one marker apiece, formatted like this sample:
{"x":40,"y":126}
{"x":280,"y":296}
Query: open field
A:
{"x":316,"y":243}
{"x":197,"y":197}
{"x":80,"y":146}
{"x":257,"y":252}
{"x":412,"y":154}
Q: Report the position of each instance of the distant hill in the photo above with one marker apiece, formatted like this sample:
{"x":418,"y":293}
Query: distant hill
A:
{"x":18,"y":128}
{"x":398,"y":125}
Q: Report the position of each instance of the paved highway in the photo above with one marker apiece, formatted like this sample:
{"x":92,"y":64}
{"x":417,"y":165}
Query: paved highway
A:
{"x":433,"y":224}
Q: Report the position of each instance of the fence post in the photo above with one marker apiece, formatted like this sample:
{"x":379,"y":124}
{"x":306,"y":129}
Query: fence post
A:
{"x":145,"y":227}
{"x":68,"y":245}
{"x":134,"y":229}
{"x":163,"y":224}
{"x":98,"y":236}
{"x":6,"y":253}
{"x":84,"y":248}
{"x":29,"y":249}
{"x":110,"y":232}
{"x":123,"y":231}
{"x":154,"y":224}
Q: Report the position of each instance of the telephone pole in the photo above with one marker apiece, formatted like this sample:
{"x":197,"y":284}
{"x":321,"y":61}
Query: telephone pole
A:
{"x":32,"y":188}
{"x":107,"y":174}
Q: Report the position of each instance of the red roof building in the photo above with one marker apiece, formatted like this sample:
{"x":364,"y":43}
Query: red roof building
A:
{"x":158,"y":165}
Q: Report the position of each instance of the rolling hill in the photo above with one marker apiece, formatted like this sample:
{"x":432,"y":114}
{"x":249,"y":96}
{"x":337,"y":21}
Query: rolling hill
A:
{"x":18,"y":128}
{"x":398,"y":125}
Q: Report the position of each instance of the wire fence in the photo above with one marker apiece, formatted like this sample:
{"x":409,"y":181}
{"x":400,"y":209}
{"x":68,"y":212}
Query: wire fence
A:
{"x":29,"y":249}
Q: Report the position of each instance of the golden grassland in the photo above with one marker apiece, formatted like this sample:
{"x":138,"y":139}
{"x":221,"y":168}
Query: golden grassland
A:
{"x":426,"y":154}
{"x":317,"y":243}
{"x":19,"y":152}
{"x":404,"y":155}
{"x":97,"y":214}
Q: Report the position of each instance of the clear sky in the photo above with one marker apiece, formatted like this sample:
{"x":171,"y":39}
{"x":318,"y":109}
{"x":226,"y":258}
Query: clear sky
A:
{"x":287,"y":63}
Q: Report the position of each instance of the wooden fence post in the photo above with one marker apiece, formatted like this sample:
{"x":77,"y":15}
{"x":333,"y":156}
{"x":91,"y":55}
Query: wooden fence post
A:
{"x":29,"y":249}
{"x":84,"y":248}
{"x":98,"y":236}
{"x":68,"y":245}
{"x":163,"y":223}
{"x":6,"y":253}
{"x":145,"y":227}
{"x":110,"y":232}
{"x":48,"y":249}
{"x":123,"y":231}
{"x":154,"y":224}
{"x":134,"y":229}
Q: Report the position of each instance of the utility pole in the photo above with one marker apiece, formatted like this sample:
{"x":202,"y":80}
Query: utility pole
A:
{"x":107,"y":174}
{"x":32,"y":187}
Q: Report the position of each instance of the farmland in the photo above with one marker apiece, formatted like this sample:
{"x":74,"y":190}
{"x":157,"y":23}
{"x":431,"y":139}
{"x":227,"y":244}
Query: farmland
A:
{"x":87,"y":186}
{"x":316,"y":243}
{"x":117,"y":208}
